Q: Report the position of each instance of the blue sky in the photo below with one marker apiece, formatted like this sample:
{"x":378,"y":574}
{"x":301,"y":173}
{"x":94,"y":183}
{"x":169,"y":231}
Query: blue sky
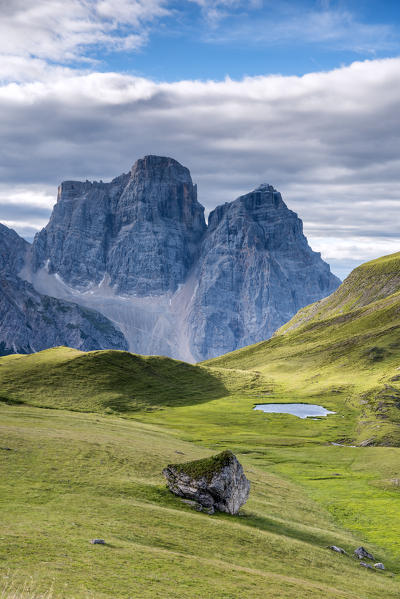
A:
{"x":239,"y":39}
{"x":302,"y":95}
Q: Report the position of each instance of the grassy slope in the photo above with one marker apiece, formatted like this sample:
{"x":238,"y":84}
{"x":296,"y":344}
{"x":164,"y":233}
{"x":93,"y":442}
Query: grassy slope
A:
{"x":70,"y":477}
{"x":342,"y":353}
{"x":104,"y":380}
{"x":347,"y":345}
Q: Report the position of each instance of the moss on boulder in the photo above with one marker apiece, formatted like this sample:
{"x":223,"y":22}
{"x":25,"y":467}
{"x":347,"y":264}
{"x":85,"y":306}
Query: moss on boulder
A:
{"x":216,"y":483}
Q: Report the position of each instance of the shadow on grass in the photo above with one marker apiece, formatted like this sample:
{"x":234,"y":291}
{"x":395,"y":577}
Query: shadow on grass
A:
{"x":107,"y":381}
{"x":285,"y":529}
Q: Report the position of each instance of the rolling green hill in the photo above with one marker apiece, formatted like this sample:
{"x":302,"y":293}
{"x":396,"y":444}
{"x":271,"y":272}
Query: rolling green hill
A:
{"x":105,"y":380}
{"x":347,"y":344}
{"x":84,"y":438}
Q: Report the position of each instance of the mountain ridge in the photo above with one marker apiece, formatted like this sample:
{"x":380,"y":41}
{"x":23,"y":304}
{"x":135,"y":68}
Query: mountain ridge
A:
{"x":138,"y":251}
{"x":30,"y":321}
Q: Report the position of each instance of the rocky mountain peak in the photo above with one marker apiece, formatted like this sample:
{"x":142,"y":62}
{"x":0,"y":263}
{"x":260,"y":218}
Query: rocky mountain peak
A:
{"x":12,"y":250}
{"x":138,"y":250}
{"x":265,"y":188}
{"x":262,"y":204}
{"x":31,"y":321}
{"x":161,"y":168}
{"x":140,"y":232}
{"x":256,"y":268}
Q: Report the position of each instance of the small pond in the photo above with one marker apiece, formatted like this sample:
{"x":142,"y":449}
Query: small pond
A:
{"x":302,"y":410}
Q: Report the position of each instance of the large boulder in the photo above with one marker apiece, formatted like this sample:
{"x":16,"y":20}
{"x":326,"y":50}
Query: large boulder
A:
{"x":216,"y":483}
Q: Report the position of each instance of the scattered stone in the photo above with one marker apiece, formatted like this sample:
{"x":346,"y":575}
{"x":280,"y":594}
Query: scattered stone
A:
{"x":379,"y":566}
{"x":367,"y":442}
{"x":338,"y":549}
{"x":180,"y":452}
{"x":98,"y":542}
{"x":216,"y":483}
{"x":6,"y":448}
{"x":362,"y":553}
{"x":364,"y":565}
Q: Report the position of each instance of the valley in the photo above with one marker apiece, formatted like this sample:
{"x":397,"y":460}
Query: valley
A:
{"x":85,"y":437}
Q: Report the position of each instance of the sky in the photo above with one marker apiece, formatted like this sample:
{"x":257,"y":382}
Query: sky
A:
{"x":304,"y":95}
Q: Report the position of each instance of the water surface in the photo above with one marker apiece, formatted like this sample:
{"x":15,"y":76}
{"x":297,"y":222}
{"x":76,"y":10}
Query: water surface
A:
{"x":302,"y":410}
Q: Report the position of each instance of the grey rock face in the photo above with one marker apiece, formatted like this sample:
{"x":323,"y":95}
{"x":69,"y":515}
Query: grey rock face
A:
{"x":138,"y":251}
{"x":256,"y":269}
{"x":141,"y":231}
{"x":216,"y":483}
{"x":31,"y":322}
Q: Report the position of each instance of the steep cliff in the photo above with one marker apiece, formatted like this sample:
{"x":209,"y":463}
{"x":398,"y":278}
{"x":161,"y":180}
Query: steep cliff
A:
{"x":141,"y":231}
{"x":255,"y":271}
{"x":138,"y":250}
{"x":30,"y":321}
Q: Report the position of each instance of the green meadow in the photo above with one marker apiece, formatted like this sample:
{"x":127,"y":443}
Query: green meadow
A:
{"x":84,"y":438}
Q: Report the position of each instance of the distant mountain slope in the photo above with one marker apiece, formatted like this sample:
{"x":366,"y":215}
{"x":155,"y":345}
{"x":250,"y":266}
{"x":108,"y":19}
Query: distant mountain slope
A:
{"x":255,"y":271}
{"x":139,"y":251}
{"x":348,"y":343}
{"x":30,"y":321}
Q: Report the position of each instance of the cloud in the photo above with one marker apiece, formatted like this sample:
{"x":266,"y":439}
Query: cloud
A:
{"x":62,"y":31}
{"x":328,"y":141}
{"x":293,"y":23}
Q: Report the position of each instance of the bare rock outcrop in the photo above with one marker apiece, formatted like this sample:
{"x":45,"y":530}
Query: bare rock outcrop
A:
{"x":31,"y":321}
{"x":216,"y":483}
{"x":138,"y":251}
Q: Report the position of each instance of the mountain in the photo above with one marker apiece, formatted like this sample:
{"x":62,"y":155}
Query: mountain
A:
{"x":140,"y":233}
{"x":138,"y":250}
{"x":30,"y":321}
{"x":255,"y":271}
{"x":344,"y":346}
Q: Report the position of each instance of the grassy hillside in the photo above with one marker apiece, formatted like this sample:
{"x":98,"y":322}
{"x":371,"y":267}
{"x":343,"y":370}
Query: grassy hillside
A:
{"x":347,"y":344}
{"x":106,"y":380}
{"x":68,"y":478}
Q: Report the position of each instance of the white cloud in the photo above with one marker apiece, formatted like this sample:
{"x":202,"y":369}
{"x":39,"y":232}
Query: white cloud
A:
{"x":63,"y":30}
{"x":294,"y":23}
{"x":328,"y":141}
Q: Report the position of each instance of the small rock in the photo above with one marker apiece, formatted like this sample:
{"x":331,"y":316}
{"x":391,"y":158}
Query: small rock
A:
{"x":366,"y":565}
{"x":367,"y":442}
{"x":98,"y":542}
{"x":379,"y":566}
{"x":180,"y":452}
{"x":362,"y":553}
{"x":337,"y":549}
{"x":6,"y":448}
